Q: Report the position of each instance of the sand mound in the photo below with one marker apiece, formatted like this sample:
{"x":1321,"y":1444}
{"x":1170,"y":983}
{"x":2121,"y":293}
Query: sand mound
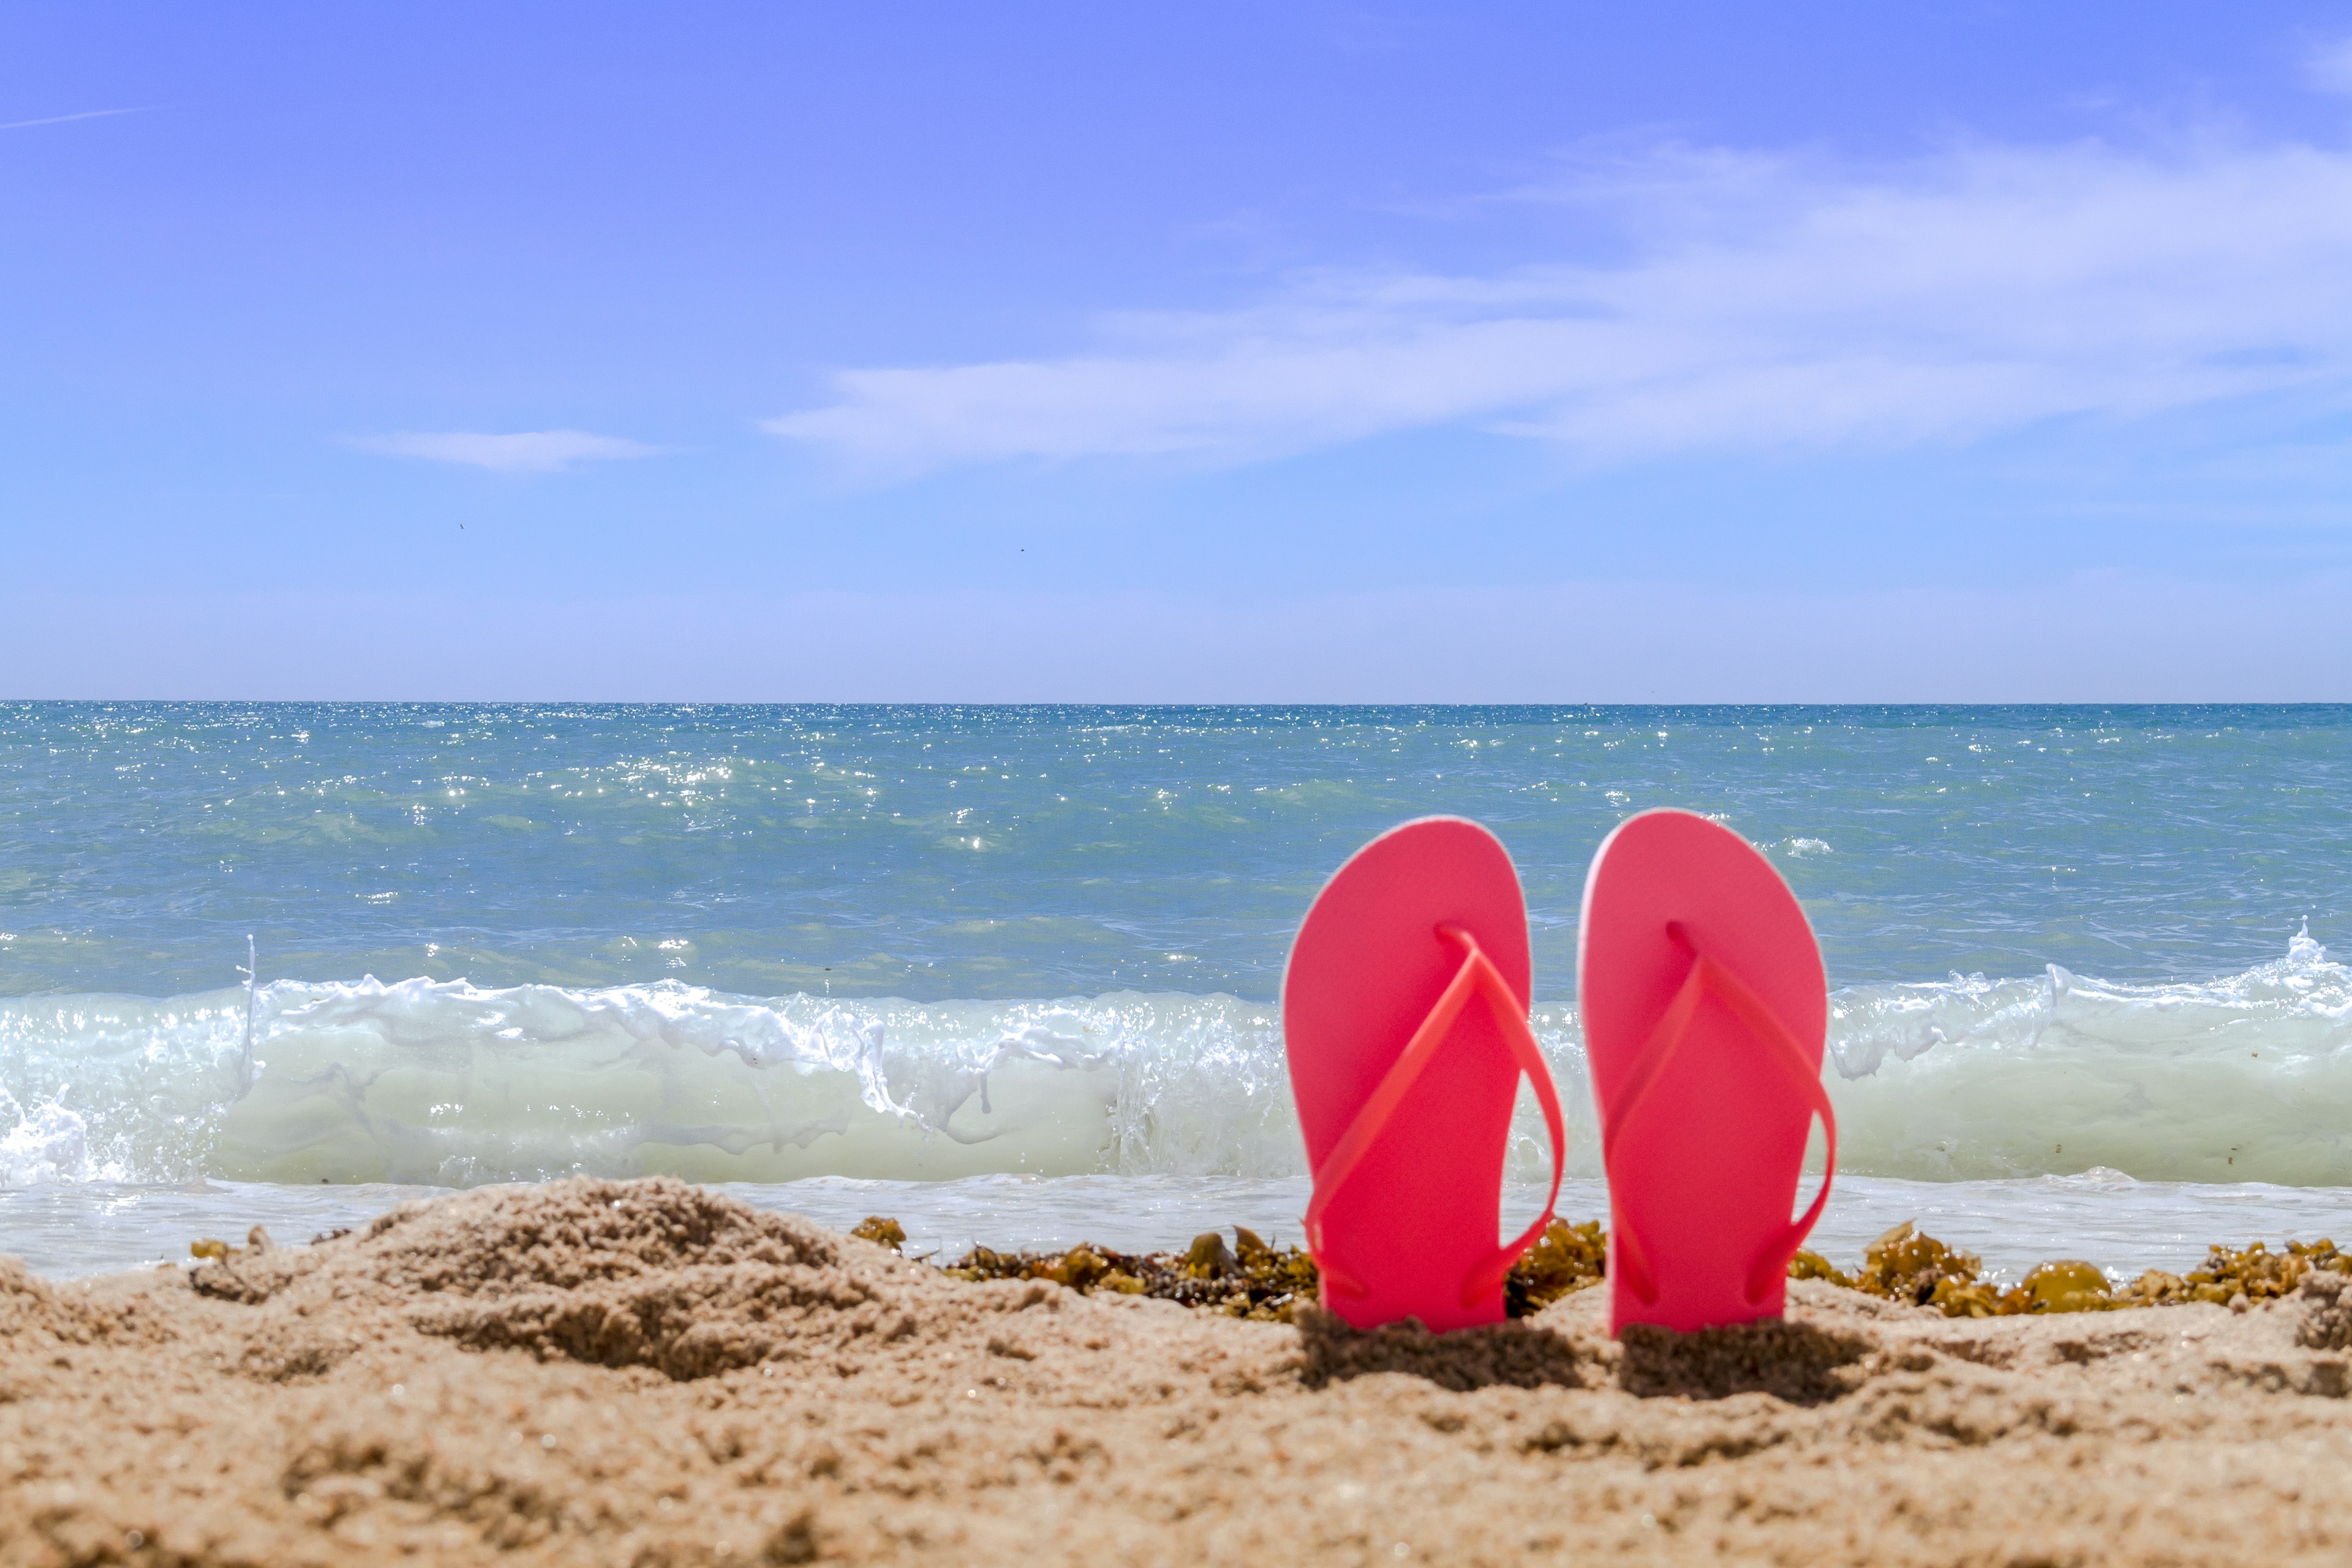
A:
{"x":645,"y":1373}
{"x":2327,"y":1323}
{"x":570,"y":1235}
{"x":654,"y":1273}
{"x":28,"y":1306}
{"x":34,"y":1312}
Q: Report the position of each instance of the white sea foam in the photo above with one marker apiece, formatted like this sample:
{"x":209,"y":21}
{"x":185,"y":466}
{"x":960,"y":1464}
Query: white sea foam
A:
{"x":2244,"y":1078}
{"x":46,"y":1142}
{"x":448,"y":1083}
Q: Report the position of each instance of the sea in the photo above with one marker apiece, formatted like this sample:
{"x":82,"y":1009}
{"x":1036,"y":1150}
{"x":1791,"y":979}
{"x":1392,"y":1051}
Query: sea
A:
{"x":1010,"y":975}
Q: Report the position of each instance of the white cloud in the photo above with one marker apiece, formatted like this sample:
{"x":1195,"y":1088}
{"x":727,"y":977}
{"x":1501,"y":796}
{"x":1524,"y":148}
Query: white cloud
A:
{"x":2330,"y":66}
{"x":524,"y":452}
{"x":1764,"y":302}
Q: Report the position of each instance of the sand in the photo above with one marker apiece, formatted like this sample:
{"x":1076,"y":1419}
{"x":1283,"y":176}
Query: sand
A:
{"x":650,"y":1373}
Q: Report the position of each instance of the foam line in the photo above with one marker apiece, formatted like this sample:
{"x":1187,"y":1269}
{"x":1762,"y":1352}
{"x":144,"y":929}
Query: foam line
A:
{"x":2247,"y":1078}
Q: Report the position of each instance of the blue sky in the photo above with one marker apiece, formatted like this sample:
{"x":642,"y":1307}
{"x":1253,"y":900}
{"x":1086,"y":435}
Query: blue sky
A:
{"x":1542,"y":352}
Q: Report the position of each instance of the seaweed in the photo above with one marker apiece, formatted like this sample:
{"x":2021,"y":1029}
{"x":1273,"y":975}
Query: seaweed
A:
{"x":1287,"y":1271}
{"x":1249,"y":1279}
{"x":1907,"y":1265}
{"x":1565,"y":1260}
{"x":1904,"y":1264}
{"x":2255,"y":1273}
{"x":1252,"y":1279}
{"x":256,"y":1241}
{"x":2069,"y":1285}
{"x":882,"y":1232}
{"x":1813,"y":1266}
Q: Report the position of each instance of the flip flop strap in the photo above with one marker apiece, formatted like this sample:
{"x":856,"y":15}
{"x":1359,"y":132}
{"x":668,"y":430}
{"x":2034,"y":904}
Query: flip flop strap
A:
{"x":1478,"y":976}
{"x":1708,"y":978}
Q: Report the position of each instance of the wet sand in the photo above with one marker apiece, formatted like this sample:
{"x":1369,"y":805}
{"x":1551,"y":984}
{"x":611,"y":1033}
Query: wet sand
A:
{"x":651,"y":1373}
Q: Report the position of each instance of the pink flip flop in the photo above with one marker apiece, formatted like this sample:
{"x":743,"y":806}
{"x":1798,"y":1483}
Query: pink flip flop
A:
{"x":1704,"y":1012}
{"x":1404,"y":1011}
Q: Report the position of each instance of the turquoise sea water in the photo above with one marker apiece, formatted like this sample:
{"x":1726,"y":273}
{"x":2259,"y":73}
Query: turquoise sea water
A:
{"x":924,"y":944}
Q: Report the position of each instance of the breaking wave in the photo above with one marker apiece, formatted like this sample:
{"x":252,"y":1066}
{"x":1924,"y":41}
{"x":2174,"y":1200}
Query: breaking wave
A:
{"x":2243,"y":1078}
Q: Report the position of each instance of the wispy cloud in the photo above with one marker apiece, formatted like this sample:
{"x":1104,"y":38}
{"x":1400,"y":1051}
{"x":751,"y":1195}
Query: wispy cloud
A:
{"x":68,"y":119}
{"x":2329,"y":66}
{"x":1765,"y":300}
{"x":523,"y":452}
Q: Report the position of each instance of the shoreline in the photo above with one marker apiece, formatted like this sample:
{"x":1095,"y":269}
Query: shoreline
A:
{"x":649,"y":1374}
{"x":81,"y":1230}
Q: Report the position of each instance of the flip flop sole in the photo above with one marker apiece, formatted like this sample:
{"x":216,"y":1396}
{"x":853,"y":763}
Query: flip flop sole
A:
{"x":1704,"y":1171}
{"x":1423,"y":1207}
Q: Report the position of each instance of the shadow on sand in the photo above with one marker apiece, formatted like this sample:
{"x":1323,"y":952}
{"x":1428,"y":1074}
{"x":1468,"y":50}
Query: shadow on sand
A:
{"x":1791,"y":1361}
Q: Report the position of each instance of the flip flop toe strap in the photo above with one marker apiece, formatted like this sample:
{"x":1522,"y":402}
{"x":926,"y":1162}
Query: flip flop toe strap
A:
{"x":1477,"y":977}
{"x":1706,"y":979}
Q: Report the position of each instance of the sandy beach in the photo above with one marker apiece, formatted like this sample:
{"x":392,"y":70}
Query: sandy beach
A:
{"x":651,"y":1373}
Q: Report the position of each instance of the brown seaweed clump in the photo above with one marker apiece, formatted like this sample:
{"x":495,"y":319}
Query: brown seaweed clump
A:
{"x":1252,"y":1279}
{"x":2230,"y":1274}
{"x":1907,"y":1265}
{"x":257,"y":1240}
{"x":1808,"y":1265}
{"x":881,"y":1232}
{"x":1248,"y":1279}
{"x":2069,"y":1285}
{"x":1565,"y":1260}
